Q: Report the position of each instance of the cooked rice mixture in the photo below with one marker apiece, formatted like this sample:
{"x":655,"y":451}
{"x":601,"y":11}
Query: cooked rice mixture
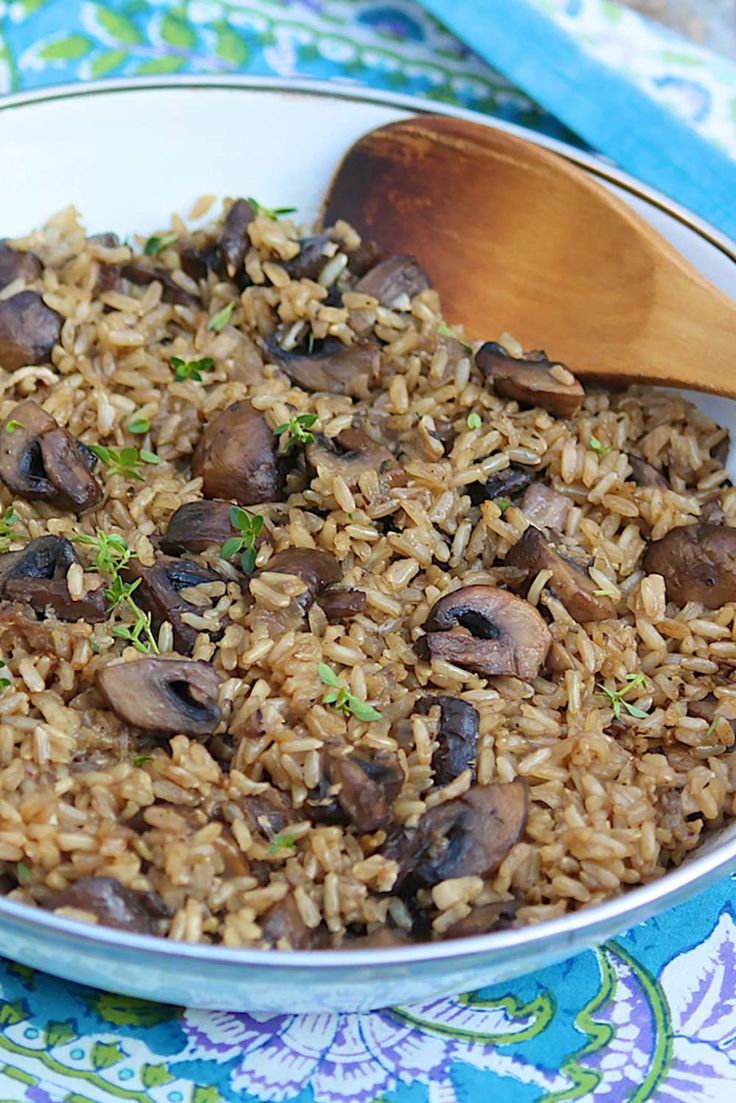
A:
{"x":323,"y":627}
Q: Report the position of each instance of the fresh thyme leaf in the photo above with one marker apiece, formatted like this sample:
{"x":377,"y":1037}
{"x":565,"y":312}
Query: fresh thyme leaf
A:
{"x":8,"y":523}
{"x":474,"y":421}
{"x":281,"y":842}
{"x":112,"y":555}
{"x":12,"y":425}
{"x":125,"y":462}
{"x":712,"y":727}
{"x":607,"y":591}
{"x":327,"y":675}
{"x":23,"y":873}
{"x":597,"y":446}
{"x":503,"y":504}
{"x":157,"y":243}
{"x":445,"y":331}
{"x":249,"y":526}
{"x":139,"y":425}
{"x":4,"y":683}
{"x":190,"y":369}
{"x":616,"y":696}
{"x":220,"y":320}
{"x":341,"y":699}
{"x":295,"y":432}
{"x":274,"y":213}
{"x":139,"y":760}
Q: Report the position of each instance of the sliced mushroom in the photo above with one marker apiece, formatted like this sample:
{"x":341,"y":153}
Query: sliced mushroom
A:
{"x":268,"y":813}
{"x":545,"y":508}
{"x":351,"y":454}
{"x":457,"y":737}
{"x":484,"y":918}
{"x":504,"y":484}
{"x":466,"y":837}
{"x":644,"y":474}
{"x":237,"y":457}
{"x":28,"y":330}
{"x":570,"y":582}
{"x":141,"y":273}
{"x":331,"y":366}
{"x":196,"y":261}
{"x":40,"y":460}
{"x":528,"y":380}
{"x":364,"y":257}
{"x":384,"y":938}
{"x":108,"y":239}
{"x":697,"y":562}
{"x":368,"y":787}
{"x":310,"y":260}
{"x":15,"y":265}
{"x":159,"y":593}
{"x":163,"y":695}
{"x":113,"y":904}
{"x":37,"y":576}
{"x":392,"y":278}
{"x":234,"y":240}
{"x":489,"y":631}
{"x":197,"y":525}
{"x":316,"y":568}
{"x":337,"y":604}
{"x":712,"y":513}
{"x":282,"y":926}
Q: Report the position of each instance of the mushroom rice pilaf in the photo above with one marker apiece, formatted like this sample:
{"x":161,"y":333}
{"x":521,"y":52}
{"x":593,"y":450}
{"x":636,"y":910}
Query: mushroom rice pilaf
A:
{"x":323,"y":627}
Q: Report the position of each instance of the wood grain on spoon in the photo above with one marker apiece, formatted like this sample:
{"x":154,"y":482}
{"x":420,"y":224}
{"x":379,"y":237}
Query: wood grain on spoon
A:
{"x":518,"y":239}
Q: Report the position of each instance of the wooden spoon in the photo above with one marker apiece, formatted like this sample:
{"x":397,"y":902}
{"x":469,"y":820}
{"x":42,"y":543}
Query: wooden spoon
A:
{"x":518,"y":239}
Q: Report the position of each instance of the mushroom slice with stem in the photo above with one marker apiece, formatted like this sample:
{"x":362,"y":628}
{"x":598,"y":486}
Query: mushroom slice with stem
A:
{"x":368,"y":787}
{"x":113,"y":904}
{"x":351,"y":454}
{"x":644,"y":474}
{"x":15,"y":265}
{"x":331,"y":366}
{"x":392,"y":278}
{"x":465,"y":837}
{"x":529,"y":380}
{"x":570,"y":582}
{"x":234,"y":241}
{"x":163,"y":695}
{"x":28,"y":330}
{"x":316,"y":568}
{"x":37,"y":576}
{"x":159,"y":593}
{"x":237,"y":457}
{"x":697,"y":562}
{"x":504,"y":484}
{"x":489,"y":631}
{"x":195,"y":526}
{"x":457,"y":737}
{"x":40,"y":460}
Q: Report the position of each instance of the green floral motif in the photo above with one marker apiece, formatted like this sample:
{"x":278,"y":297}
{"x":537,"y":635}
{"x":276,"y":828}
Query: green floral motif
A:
{"x":525,"y":1020}
{"x":128,"y":1011}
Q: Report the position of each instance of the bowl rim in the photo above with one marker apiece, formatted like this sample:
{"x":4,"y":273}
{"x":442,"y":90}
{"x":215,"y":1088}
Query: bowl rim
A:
{"x":620,"y":911}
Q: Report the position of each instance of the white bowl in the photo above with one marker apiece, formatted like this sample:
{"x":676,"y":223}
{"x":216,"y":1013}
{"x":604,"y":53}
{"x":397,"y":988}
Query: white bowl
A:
{"x":126,"y":154}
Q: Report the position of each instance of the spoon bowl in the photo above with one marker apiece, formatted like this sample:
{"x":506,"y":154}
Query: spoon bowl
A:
{"x":518,"y":239}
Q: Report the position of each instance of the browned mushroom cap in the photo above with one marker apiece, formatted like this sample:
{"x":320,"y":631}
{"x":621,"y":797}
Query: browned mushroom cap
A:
{"x":643,"y":474}
{"x":570,"y":582}
{"x":484,"y":918}
{"x":457,"y":737}
{"x":316,"y":568}
{"x":113,"y":904}
{"x":15,"y":265}
{"x":385,"y":938}
{"x":138,"y":272}
{"x":40,"y":460}
{"x":37,"y":576}
{"x":163,"y":695}
{"x":337,"y":604}
{"x":504,"y":484}
{"x":392,"y":278}
{"x":698,"y":563}
{"x":310,"y":260}
{"x":351,"y":454}
{"x":331,"y":366}
{"x":234,"y":240}
{"x":159,"y":593}
{"x":368,"y":787}
{"x":268,"y":813}
{"x":544,"y":507}
{"x":196,"y":525}
{"x":528,"y":380}
{"x":28,"y":330}
{"x":237,"y":457}
{"x":364,"y":257}
{"x":466,"y":837}
{"x":282,"y":925}
{"x":489,"y":631}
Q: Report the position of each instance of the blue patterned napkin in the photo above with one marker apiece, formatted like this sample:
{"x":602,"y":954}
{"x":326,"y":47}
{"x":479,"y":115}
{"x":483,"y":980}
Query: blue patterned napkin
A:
{"x":647,"y":1018}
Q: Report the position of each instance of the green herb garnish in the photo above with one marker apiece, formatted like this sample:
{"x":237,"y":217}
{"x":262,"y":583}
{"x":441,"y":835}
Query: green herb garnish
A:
{"x":274,"y":213}
{"x":445,"y":331}
{"x":597,"y":446}
{"x":503,"y":504}
{"x":607,"y":591}
{"x":474,"y":421}
{"x":139,"y":760}
{"x":190,"y":369}
{"x":281,"y":842}
{"x":341,"y":699}
{"x":111,"y":556}
{"x":220,"y":320}
{"x":616,"y":697}
{"x":157,"y":243}
{"x":713,"y":726}
{"x":23,"y":873}
{"x":126,"y":462}
{"x":12,"y":425}
{"x":8,"y":521}
{"x":295,"y":432}
{"x":249,"y":526}
{"x":4,"y":682}
{"x":139,"y":425}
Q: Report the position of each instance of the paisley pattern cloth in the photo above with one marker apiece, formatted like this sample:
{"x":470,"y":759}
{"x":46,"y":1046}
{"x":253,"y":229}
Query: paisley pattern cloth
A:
{"x":650,"y":1016}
